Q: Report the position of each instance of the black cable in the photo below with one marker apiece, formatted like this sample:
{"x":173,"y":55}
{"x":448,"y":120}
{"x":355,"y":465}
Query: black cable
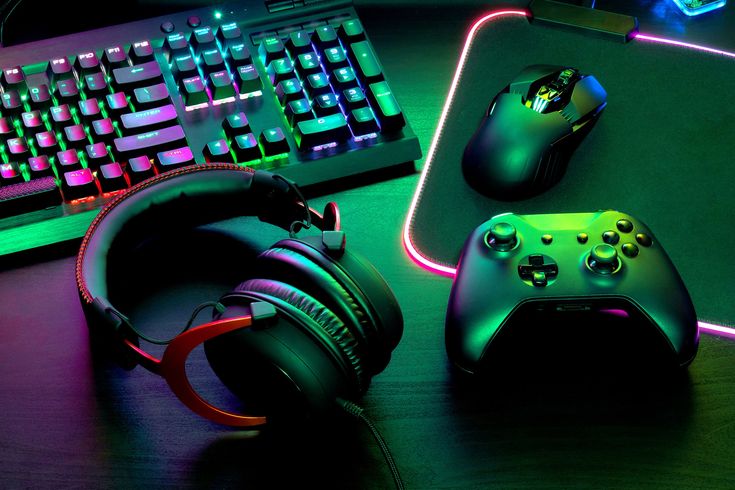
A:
{"x":357,"y":412}
{"x":6,"y":16}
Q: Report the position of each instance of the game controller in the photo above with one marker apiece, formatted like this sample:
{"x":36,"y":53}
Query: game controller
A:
{"x":602,"y":262}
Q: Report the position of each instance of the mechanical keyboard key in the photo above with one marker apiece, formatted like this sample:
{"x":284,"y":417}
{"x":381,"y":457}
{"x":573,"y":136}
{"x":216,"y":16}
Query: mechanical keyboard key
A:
{"x":184,"y":66}
{"x":40,"y":167}
{"x":28,"y":196}
{"x":221,"y":87}
{"x":334,"y":58}
{"x":40,"y":97}
{"x":386,"y":107}
{"x":148,"y":120}
{"x":176,"y":158}
{"x":238,"y":55}
{"x":273,"y":142}
{"x":89,"y":109}
{"x":248,"y":79}
{"x":362,"y":121}
{"x":95,"y":84}
{"x":111,"y":177}
{"x":103,"y":130}
{"x":153,"y":96}
{"x":32,"y":123}
{"x":351,"y":31}
{"x":17,"y":149}
{"x":298,"y":110}
{"x":288,"y":90}
{"x":67,"y":91}
{"x":141,"y":52}
{"x":7,"y":130}
{"x":10,"y":174}
{"x":150,"y":142}
{"x":78,"y":184}
{"x":218,"y":151}
{"x":365,"y":62}
{"x":353,"y":98}
{"x":280,"y":69}
{"x":139,"y":169}
{"x":75,"y":136}
{"x":131,"y":77}
{"x":61,"y":117}
{"x":59,"y":69}
{"x":117,"y":105}
{"x":13,"y":79}
{"x":307,"y":64}
{"x":236,"y":124}
{"x":47,"y":143}
{"x":246,"y":148}
{"x":193,"y":92}
{"x":343,"y":79}
{"x":67,"y":161}
{"x":212,"y":61}
{"x":317,"y":84}
{"x":97,"y":155}
{"x":298,"y":42}
{"x":229,"y":34}
{"x":202,"y":38}
{"x":114,"y":57}
{"x":11,"y":103}
{"x":325,"y":37}
{"x":87,"y":63}
{"x":326,"y":104}
{"x":321,"y":131}
{"x":175,"y":45}
{"x":270,"y":49}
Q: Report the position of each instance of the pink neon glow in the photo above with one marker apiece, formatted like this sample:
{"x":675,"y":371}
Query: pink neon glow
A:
{"x":450,"y":271}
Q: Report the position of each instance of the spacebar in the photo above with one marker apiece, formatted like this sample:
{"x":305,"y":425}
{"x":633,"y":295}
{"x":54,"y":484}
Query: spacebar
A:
{"x":151,"y":142}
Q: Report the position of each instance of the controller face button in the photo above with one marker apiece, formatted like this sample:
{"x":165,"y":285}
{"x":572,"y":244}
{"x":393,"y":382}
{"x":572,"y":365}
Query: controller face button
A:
{"x":624,"y":226}
{"x":630,"y":250}
{"x":582,"y":237}
{"x":603,"y":259}
{"x":610,"y":237}
{"x":502,"y":237}
{"x":643,"y":239}
{"x":547,"y":239}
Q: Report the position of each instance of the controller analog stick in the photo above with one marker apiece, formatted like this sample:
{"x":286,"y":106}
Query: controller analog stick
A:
{"x":603,"y":259}
{"x":502,"y":237}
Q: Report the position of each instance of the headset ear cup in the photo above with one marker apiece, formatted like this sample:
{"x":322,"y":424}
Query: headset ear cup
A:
{"x":295,"y":364}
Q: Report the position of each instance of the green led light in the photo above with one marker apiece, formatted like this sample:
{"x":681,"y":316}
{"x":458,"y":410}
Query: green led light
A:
{"x":275,"y":157}
{"x":217,"y":14}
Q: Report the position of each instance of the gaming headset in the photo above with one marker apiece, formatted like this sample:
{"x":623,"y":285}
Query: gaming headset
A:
{"x":311,"y":324}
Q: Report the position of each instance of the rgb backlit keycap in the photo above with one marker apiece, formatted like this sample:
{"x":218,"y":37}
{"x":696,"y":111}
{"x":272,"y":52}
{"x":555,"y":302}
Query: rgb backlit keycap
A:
{"x":10,"y":174}
{"x":78,"y":184}
{"x":270,"y":49}
{"x":176,"y":158}
{"x":273,"y":142}
{"x":152,"y":96}
{"x":218,"y":151}
{"x":141,"y":52}
{"x":114,"y":57}
{"x":46,"y":143}
{"x":103,"y":130}
{"x":229,"y":34}
{"x":87,"y":63}
{"x":67,"y":161}
{"x":40,"y":96}
{"x":13,"y":79}
{"x":11,"y":103}
{"x":39,"y":167}
{"x":322,"y":131}
{"x":236,"y":124}
{"x":75,"y":136}
{"x":59,"y":69}
{"x":248,"y":79}
{"x":66,"y":91}
{"x":111,"y":177}
{"x":17,"y":148}
{"x":238,"y":55}
{"x":97,"y":155}
{"x":246,"y":148}
{"x":139,"y":169}
{"x":193,"y":92}
{"x":221,"y":86}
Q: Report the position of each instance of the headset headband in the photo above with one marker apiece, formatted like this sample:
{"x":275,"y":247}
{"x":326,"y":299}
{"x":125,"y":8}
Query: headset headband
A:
{"x":186,"y":197}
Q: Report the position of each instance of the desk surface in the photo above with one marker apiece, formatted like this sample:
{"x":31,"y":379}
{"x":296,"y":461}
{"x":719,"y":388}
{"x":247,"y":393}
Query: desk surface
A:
{"x":69,"y":420}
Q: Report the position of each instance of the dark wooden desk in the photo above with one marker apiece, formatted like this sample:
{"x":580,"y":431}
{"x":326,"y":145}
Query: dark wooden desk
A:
{"x":68,"y":420}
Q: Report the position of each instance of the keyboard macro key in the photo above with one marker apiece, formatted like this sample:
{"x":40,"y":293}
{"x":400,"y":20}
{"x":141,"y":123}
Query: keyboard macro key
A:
{"x":236,"y":124}
{"x":131,"y":77}
{"x":75,"y":136}
{"x":193,"y":91}
{"x":362,"y":121}
{"x":229,"y":34}
{"x":46,"y":143}
{"x":78,"y":184}
{"x":273,"y":142}
{"x":40,"y":167}
{"x":40,"y":96}
{"x":17,"y":149}
{"x":320,"y":131}
{"x":111,"y":177}
{"x":139,"y":169}
{"x":59,"y":69}
{"x":365,"y":62}
{"x":67,"y":91}
{"x":97,"y":155}
{"x":238,"y":55}
{"x":67,"y":161}
{"x":141,"y":52}
{"x":288,"y":90}
{"x":103,"y":130}
{"x":220,"y":84}
{"x":248,"y":79}
{"x":298,"y":110}
{"x":386,"y":107}
{"x":153,"y":96}
{"x":61,"y":117}
{"x":114,"y":57}
{"x":148,"y":120}
{"x":32,"y":123}
{"x":11,"y":103}
{"x":218,"y":151}
{"x":87,"y":63}
{"x":351,"y":31}
{"x":10,"y":174}
{"x":176,"y":158}
{"x":246,"y":148}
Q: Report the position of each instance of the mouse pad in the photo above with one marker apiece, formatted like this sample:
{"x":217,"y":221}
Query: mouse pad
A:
{"x":663,"y":151}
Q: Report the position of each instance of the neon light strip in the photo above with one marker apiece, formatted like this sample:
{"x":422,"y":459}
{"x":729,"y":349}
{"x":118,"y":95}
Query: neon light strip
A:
{"x":449,"y":271}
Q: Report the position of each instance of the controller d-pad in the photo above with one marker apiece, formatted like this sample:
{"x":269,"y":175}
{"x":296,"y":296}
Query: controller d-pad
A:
{"x":538,"y":270}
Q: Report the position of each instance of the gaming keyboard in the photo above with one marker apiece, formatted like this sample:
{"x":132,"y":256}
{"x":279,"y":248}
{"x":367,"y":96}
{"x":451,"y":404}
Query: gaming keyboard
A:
{"x":293,"y":87}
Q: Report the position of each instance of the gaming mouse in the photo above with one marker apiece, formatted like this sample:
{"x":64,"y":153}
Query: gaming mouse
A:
{"x":530,"y":131}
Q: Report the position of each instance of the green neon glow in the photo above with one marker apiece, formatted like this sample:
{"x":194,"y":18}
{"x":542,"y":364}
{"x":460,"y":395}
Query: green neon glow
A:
{"x":275,"y":157}
{"x":217,"y":14}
